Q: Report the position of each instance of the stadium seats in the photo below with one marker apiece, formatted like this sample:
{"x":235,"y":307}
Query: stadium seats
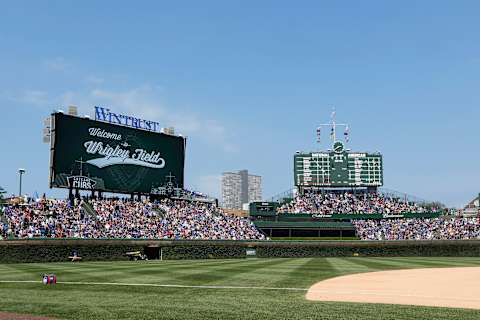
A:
{"x":442,"y":228}
{"x":350,"y":203}
{"x":167,"y":219}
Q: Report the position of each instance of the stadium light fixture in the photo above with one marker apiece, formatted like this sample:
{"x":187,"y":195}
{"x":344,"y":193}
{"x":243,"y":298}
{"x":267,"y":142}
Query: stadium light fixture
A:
{"x":21,"y":171}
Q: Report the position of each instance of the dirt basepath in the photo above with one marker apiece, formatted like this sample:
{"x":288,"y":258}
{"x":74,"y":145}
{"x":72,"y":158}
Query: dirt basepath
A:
{"x":16,"y":316}
{"x":439,"y":287}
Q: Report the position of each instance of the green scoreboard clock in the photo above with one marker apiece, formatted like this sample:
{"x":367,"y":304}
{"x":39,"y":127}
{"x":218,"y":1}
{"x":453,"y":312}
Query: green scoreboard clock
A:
{"x":338,"y":168}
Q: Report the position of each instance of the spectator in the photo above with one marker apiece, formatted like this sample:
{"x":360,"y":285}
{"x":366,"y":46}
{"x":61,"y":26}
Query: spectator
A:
{"x":167,"y":219}
{"x":349,"y":203}
{"x":442,"y":228}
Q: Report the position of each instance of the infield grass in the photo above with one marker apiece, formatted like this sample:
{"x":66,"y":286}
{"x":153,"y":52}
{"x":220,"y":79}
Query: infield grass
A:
{"x":103,"y":301}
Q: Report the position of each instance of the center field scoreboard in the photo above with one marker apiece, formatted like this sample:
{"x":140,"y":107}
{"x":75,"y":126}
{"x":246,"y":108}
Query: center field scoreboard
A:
{"x":338,"y":168}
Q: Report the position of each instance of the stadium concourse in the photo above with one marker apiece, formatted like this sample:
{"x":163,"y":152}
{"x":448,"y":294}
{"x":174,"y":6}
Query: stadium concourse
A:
{"x":180,"y":219}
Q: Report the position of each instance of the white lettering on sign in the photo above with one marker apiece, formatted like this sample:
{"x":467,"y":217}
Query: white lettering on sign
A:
{"x":357,"y":155}
{"x":81,"y":182}
{"x":117,"y":155}
{"x":97,"y":132}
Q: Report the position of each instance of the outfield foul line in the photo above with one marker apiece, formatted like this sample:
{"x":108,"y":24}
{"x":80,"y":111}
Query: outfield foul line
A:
{"x":158,"y":285}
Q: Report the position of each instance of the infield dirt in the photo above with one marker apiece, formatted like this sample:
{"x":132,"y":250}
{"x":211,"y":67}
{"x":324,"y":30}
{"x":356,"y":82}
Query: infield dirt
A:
{"x":436,"y":287}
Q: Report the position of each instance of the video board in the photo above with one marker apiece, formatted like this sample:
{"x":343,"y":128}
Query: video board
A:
{"x":95,"y":155}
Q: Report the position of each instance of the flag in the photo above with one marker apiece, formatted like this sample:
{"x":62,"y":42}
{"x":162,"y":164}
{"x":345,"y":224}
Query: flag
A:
{"x":346,"y":133}
{"x":318,"y":134}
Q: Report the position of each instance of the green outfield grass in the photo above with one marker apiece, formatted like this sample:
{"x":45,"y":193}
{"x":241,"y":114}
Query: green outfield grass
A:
{"x":103,"y":301}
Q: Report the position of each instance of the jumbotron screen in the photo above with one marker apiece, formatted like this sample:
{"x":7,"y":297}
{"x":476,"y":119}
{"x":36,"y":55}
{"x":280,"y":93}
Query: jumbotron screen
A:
{"x":338,"y":168}
{"x":95,"y":155}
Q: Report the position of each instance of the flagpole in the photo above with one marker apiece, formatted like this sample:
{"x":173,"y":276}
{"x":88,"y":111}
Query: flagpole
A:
{"x":334,"y":127}
{"x":333,"y":132}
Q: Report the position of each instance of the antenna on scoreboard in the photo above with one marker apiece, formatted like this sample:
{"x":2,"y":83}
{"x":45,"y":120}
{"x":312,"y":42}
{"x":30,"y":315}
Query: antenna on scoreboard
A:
{"x":333,"y":129}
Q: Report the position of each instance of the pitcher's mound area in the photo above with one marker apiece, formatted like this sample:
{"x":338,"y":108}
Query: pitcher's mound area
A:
{"x":440,"y":287}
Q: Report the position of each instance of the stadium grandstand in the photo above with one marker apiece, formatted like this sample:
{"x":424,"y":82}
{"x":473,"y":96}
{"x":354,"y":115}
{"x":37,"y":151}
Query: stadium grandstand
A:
{"x":337,"y":194}
{"x":440,"y":228}
{"x":124,"y":219}
{"x":348,"y":202}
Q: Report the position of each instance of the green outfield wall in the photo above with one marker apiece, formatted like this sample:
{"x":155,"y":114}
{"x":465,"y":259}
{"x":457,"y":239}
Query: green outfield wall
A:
{"x":56,"y":250}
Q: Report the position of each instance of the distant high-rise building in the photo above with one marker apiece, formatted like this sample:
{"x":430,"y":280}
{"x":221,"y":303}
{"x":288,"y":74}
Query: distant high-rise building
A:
{"x":169,"y":130}
{"x":239,"y":188}
{"x":72,"y":110}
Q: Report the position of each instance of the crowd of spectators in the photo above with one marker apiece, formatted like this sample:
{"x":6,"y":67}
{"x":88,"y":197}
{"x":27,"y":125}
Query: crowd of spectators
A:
{"x":192,"y":194}
{"x":441,"y":228}
{"x":166,"y":219}
{"x":56,"y":219}
{"x":350,"y":203}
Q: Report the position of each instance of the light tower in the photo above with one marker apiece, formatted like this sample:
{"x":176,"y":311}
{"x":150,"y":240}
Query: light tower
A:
{"x":21,"y":171}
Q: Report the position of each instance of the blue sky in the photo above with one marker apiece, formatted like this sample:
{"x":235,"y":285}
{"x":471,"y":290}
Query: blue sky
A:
{"x":248,"y":81}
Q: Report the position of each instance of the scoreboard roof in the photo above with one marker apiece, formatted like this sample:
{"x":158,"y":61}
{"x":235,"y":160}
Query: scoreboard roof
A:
{"x":338,"y":168}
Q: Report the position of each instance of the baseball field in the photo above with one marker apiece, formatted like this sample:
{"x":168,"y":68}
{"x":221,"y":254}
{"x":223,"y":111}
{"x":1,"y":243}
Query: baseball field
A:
{"x":207,"y":289}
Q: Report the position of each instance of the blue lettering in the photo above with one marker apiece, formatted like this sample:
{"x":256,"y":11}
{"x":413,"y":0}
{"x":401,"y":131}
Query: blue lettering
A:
{"x":135,"y":123}
{"x":104,"y":114}
{"x":117,"y":117}
{"x":100,"y":113}
{"x":148,"y":125}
